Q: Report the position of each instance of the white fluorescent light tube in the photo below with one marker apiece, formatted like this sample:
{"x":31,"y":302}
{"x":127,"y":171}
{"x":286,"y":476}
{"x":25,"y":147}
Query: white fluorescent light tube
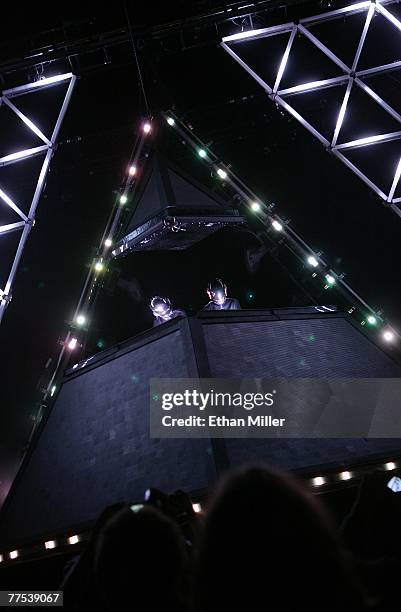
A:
{"x":54,"y":79}
{"x":313,"y":85}
{"x":395,"y":181}
{"x":336,"y":13}
{"x":284,"y":60}
{"x":243,"y":35}
{"x":341,"y":114}
{"x":26,"y":120}
{"x":285,"y":27}
{"x":362,"y":142}
{"x":389,"y":16}
{"x":58,"y":78}
{"x":11,"y":227}
{"x":22,"y":154}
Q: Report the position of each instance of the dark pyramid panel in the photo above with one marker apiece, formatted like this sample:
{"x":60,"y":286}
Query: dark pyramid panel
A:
{"x":188,"y":197}
{"x":150,"y":202}
{"x":172,"y":211}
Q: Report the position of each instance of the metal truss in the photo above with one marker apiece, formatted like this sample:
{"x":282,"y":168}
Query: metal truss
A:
{"x":352,"y":77}
{"x":25,"y":222}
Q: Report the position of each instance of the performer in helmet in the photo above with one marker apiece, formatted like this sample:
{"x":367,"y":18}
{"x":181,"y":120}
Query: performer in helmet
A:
{"x":162,"y":310}
{"x":217,"y":292}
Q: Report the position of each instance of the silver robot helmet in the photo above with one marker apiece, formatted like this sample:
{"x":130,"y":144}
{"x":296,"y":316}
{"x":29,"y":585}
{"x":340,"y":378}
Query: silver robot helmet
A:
{"x":217,"y":291}
{"x":160,"y":306}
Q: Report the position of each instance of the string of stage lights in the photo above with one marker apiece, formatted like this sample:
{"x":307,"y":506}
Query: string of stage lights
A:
{"x":81,"y":318}
{"x":281,"y":228}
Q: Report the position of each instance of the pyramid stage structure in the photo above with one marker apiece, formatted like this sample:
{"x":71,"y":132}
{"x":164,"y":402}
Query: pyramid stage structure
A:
{"x":94,"y":447}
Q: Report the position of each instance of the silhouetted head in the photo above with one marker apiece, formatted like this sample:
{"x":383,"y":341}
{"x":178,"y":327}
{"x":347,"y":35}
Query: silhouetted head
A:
{"x":217,"y":291}
{"x":268,"y":545}
{"x":161,"y":307}
{"x":140,"y":561}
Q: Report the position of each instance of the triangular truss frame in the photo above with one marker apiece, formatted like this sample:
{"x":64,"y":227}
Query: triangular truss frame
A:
{"x":26,"y":221}
{"x":352,"y":77}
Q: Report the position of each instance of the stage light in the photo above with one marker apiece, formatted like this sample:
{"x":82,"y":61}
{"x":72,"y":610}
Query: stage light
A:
{"x":388,"y":335}
{"x":277,"y":226}
{"x":318,"y":481}
{"x":146,"y":127}
{"x":99,"y":266}
{"x":312,"y":261}
{"x":132,"y":170}
{"x":123,"y":199}
{"x":390,"y":466}
{"x":53,"y":390}
{"x":73,"y":539}
{"x":371,"y":320}
{"x":108,"y":242}
{"x":202,"y":153}
{"x":197,"y":507}
{"x":72,"y":344}
{"x":394,"y":484}
{"x":345,"y":475}
{"x":81,"y":319}
{"x":222,"y":173}
{"x":255,"y":206}
{"x":330,"y":279}
{"x":50,"y":544}
{"x":13,"y":554}
{"x":170,"y":121}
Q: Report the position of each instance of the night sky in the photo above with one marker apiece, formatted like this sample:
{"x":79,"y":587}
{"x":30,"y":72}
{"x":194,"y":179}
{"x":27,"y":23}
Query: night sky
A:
{"x":328,"y":205}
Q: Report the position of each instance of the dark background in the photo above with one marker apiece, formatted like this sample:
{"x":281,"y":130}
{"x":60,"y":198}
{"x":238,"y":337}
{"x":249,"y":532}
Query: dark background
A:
{"x":329,"y":206}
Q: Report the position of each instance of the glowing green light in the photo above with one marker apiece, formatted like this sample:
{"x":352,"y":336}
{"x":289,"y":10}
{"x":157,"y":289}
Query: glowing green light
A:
{"x":123,"y":199}
{"x":330,"y":279}
{"x":202,"y":153}
{"x":371,"y":320}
